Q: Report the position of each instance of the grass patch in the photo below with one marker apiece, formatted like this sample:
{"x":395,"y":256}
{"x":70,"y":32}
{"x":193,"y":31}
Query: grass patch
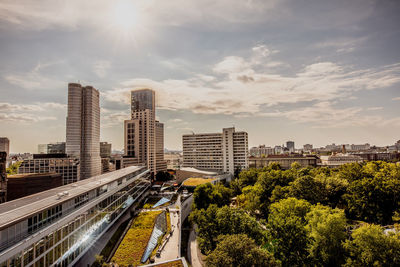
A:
{"x":196,"y":181}
{"x":113,"y":240}
{"x":133,"y":245}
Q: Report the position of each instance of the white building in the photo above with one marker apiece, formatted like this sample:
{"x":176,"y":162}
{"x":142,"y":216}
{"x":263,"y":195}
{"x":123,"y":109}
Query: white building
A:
{"x":224,"y":152}
{"x":339,"y":159}
{"x":83,"y":128}
{"x":261,"y":150}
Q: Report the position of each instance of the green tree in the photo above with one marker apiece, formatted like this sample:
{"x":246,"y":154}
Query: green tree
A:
{"x":206,"y":194}
{"x":248,"y":177}
{"x":306,"y":187}
{"x":370,"y":246}
{"x":224,"y":221}
{"x":13,"y":168}
{"x":326,"y":229}
{"x":239,"y":251}
{"x":373,"y":199}
{"x":286,"y":224}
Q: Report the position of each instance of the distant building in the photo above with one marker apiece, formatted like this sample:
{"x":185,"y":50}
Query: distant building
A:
{"x":339,"y":159}
{"x":174,"y":160}
{"x":22,"y":185}
{"x":3,"y":177}
{"x":105,"y":150}
{"x":5,"y":147}
{"x":307,"y":147}
{"x":223,"y":152}
{"x":278,"y":150}
{"x":83,"y":128}
{"x":374,"y":156}
{"x":68,"y":168}
{"x":144,"y":136}
{"x":285,"y":161}
{"x":52,"y":148}
{"x":362,"y":147}
{"x":261,"y":150}
{"x":290,"y":146}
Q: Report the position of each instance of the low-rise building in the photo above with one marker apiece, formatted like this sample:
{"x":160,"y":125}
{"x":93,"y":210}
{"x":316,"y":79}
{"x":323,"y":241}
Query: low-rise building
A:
{"x":339,"y":159}
{"x":22,"y":185}
{"x":48,"y":163}
{"x":285,"y":161}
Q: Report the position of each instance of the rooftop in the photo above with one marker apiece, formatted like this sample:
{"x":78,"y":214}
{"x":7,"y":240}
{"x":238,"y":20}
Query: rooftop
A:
{"x":32,"y":175}
{"x":191,"y":169}
{"x":18,"y":209}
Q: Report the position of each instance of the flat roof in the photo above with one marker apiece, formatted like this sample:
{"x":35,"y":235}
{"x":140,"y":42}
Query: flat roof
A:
{"x":191,"y":169}
{"x":15,"y":210}
{"x":32,"y":175}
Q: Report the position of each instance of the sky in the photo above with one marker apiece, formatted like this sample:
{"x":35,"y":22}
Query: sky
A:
{"x":311,"y":71}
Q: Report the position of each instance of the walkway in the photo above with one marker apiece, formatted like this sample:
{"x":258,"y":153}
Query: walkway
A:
{"x":171,"y":248}
{"x":193,"y":251}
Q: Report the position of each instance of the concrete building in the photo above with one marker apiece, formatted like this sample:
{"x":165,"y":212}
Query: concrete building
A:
{"x":362,"y":147}
{"x":68,"y":168}
{"x":143,"y":135}
{"x":339,"y":159}
{"x":308,"y":147}
{"x":223,"y":152}
{"x":285,"y":161}
{"x":22,"y":185}
{"x":105,"y":150}
{"x":58,"y":226}
{"x":52,"y":148}
{"x":374,"y":156}
{"x":83,"y":128}
{"x":5,"y":147}
{"x":174,"y":160}
{"x":261,"y":150}
{"x":290,"y":146}
{"x":3,"y":177}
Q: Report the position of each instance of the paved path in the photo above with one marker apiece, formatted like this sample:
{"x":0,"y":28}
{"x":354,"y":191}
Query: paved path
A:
{"x":171,"y":249}
{"x":193,"y":251}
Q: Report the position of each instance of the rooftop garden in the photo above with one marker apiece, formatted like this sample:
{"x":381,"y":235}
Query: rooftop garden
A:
{"x":135,"y":241}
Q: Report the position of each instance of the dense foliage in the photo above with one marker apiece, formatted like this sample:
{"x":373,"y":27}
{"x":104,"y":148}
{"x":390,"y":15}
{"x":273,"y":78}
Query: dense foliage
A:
{"x":229,"y":253}
{"x":303,"y":216}
{"x":13,"y":168}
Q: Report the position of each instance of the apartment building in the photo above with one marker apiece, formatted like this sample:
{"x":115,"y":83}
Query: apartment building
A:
{"x":223,"y":152}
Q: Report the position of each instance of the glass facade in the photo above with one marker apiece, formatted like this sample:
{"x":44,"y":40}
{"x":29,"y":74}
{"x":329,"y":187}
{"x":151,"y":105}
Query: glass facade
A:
{"x":65,"y":244}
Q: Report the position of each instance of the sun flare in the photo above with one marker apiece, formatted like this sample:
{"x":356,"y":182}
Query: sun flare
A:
{"x":125,"y":15}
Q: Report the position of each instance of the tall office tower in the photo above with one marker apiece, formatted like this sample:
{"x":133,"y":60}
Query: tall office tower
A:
{"x":142,"y":133}
{"x":161,"y":164}
{"x":3,"y":177}
{"x":290,"y":146}
{"x":5,"y":147}
{"x":83,"y":128}
{"x":224,"y":152}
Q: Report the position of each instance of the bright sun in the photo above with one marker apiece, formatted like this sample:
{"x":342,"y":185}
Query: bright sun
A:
{"x":125,"y":15}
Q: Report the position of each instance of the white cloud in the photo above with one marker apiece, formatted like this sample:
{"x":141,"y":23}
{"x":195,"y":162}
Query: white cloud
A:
{"x":101,"y":67}
{"x":34,"y":79}
{"x":375,"y":108}
{"x":23,"y":118}
{"x":44,"y":14}
{"x":396,"y":98}
{"x":247,"y":91}
{"x":326,"y":115}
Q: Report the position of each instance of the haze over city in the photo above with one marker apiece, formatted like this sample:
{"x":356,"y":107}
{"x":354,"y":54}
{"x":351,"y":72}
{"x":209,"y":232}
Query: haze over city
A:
{"x":306,"y":71}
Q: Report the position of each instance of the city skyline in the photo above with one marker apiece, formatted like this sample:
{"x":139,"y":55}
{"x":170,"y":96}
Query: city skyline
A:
{"x":280,"y":70}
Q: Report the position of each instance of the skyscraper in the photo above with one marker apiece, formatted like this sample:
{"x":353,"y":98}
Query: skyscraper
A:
{"x":144,"y":136}
{"x":83,"y":128}
{"x":290,"y":146}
